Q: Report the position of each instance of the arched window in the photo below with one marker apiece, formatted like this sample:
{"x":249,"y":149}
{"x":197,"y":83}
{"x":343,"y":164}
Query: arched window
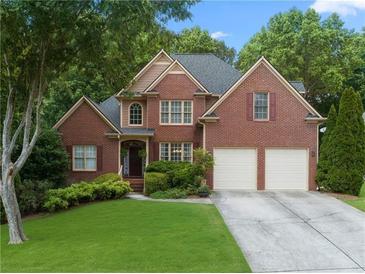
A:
{"x":135,"y":114}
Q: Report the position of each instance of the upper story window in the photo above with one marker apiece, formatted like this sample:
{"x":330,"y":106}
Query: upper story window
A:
{"x":135,"y":114}
{"x":176,"y":112}
{"x":261,"y":110}
{"x":84,"y":158}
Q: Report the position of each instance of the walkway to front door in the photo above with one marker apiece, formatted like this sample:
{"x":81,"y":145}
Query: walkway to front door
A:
{"x":295,"y":230}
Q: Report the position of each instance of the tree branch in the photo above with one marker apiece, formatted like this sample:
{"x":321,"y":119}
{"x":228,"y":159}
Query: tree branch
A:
{"x":28,"y":146}
{"x":16,"y":135}
{"x":9,"y":109}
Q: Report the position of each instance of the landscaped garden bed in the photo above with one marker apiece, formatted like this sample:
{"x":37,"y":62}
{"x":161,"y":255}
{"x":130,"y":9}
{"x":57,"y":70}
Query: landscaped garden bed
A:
{"x":178,"y":180}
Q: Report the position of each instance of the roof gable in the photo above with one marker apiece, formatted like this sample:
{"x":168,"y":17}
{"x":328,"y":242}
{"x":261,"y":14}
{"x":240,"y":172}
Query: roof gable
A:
{"x":263,"y":61}
{"x":177,"y":68}
{"x":93,"y":106}
{"x":149,"y":72}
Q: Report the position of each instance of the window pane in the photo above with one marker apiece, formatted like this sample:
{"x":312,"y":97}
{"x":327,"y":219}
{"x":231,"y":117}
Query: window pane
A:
{"x":187,"y":152}
{"x":90,"y":163}
{"x":135,"y":114}
{"x":175,"y":152}
{"x":261,"y":105}
{"x":176,"y":112}
{"x":164,"y":118}
{"x":90,"y":151}
{"x":164,"y":151}
{"x":79,"y":151}
{"x":79,"y":163}
{"x":164,"y":112}
{"x":187,"y":112}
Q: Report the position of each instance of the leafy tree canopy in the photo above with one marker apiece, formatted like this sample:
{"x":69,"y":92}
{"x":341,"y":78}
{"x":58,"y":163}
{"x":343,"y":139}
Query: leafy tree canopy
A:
{"x":322,"y":54}
{"x":196,"y":40}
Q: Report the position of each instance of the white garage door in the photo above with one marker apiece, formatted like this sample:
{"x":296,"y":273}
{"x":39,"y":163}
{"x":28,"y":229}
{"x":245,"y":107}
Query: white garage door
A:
{"x":286,"y":169}
{"x":235,"y":168}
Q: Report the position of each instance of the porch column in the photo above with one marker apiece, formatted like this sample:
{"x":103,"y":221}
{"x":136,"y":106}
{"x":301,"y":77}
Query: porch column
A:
{"x":147,"y":150}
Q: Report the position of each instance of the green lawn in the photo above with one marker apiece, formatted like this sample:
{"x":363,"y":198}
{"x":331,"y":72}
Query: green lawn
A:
{"x":126,"y":236}
{"x":359,"y":203}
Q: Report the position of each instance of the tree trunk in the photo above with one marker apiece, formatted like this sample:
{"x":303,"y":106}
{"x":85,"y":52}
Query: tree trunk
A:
{"x":8,"y":196}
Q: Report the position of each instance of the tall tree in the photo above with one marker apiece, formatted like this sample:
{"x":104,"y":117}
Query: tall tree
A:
{"x":196,"y":40}
{"x":347,"y":171}
{"x":326,"y":150}
{"x":39,"y":41}
{"x":322,"y":54}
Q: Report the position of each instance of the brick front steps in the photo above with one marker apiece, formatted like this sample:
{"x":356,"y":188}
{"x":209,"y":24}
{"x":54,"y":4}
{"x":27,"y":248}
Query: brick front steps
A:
{"x":136,"y":183}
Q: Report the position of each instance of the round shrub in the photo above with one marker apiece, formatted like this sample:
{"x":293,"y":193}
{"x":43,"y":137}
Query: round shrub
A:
{"x":114,"y":177}
{"x":54,"y":203}
{"x":155,"y":181}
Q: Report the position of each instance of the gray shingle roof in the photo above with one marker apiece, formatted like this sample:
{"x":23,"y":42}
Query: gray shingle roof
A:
{"x":298,"y":85}
{"x":213,"y":73}
{"x":110,"y":108}
{"x":138,"y":131}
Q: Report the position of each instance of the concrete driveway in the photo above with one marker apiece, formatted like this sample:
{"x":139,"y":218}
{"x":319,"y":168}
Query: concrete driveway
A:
{"x":295,"y":231}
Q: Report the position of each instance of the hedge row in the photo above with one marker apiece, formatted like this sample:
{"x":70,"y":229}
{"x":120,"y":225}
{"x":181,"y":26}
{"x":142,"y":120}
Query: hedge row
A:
{"x":109,"y":186}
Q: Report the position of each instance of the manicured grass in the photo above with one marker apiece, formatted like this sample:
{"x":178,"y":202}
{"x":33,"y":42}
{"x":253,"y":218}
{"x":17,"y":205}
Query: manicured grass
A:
{"x":360,"y":202}
{"x":126,"y":236}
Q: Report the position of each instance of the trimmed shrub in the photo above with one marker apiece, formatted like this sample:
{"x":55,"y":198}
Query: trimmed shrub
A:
{"x":113,"y":177}
{"x":179,"y":174}
{"x":173,"y":193}
{"x":83,"y":192}
{"x":155,"y":181}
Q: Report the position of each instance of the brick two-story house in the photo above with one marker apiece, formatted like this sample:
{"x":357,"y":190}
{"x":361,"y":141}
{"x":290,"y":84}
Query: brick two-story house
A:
{"x":263,"y":134}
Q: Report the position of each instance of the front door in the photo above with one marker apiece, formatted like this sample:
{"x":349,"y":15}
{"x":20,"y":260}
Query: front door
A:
{"x":135,"y":162}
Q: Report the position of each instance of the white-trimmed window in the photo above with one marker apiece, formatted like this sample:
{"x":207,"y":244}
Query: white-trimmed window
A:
{"x":135,"y":114}
{"x":261,"y":106}
{"x":176,"y":152}
{"x":84,"y":158}
{"x":176,"y":112}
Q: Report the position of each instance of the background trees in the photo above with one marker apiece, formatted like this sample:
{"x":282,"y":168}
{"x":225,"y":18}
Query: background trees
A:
{"x":322,"y":54}
{"x":196,"y":40}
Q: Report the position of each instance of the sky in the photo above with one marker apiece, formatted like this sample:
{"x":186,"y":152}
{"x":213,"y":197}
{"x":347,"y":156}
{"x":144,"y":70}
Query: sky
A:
{"x":235,"y":22}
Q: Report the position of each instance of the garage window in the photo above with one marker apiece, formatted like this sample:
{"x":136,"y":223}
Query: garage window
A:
{"x":176,"y":152}
{"x":261,"y":105}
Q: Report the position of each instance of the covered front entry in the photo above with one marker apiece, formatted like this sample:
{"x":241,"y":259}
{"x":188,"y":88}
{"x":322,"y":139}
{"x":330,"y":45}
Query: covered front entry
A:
{"x":133,"y":155}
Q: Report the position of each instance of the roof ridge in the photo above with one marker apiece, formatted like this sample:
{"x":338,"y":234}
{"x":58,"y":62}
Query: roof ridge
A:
{"x":203,"y":53}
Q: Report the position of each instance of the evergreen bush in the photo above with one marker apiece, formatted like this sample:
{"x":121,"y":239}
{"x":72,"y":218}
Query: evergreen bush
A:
{"x":346,"y":173}
{"x":326,"y":151}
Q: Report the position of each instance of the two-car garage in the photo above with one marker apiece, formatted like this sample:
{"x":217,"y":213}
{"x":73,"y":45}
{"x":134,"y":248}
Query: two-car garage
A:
{"x":237,"y":168}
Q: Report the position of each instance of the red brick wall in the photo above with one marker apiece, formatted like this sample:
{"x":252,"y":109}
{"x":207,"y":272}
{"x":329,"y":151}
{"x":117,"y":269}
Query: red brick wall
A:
{"x":289,"y":129}
{"x":174,"y":87}
{"x":85,"y":127}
